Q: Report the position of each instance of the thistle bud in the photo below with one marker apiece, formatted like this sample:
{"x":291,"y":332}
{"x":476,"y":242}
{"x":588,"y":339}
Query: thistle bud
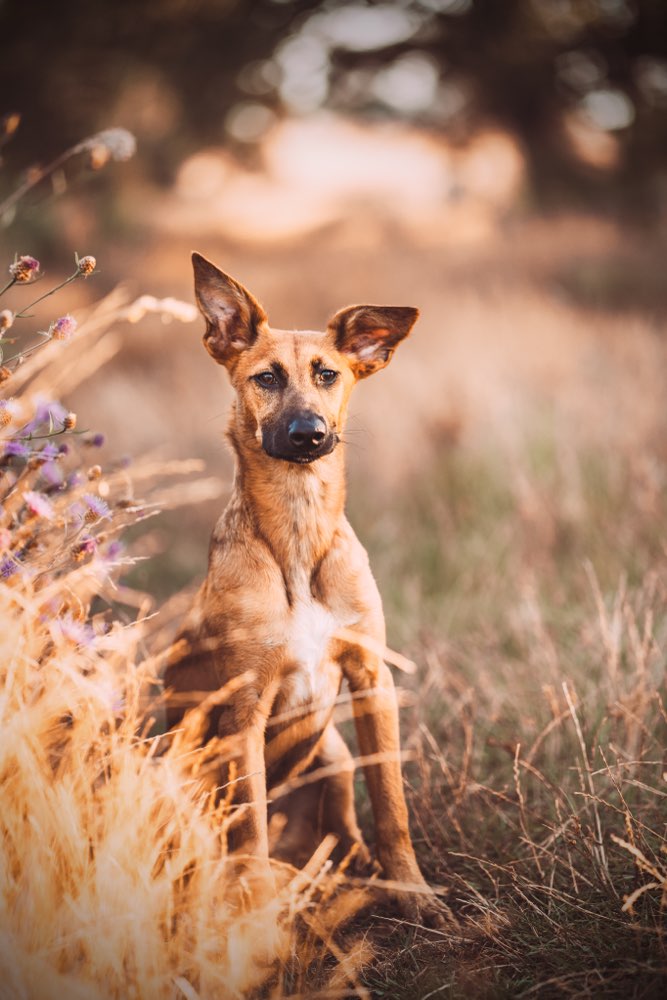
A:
{"x":6,"y":320}
{"x":69,"y":423}
{"x":24,"y":268}
{"x":94,"y":472}
{"x":63,"y":328}
{"x":86,"y":265}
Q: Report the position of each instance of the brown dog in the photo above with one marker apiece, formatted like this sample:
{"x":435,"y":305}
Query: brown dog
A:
{"x":289,"y":585}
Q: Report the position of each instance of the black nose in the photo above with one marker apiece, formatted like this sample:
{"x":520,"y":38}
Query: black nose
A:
{"x":306,"y":431}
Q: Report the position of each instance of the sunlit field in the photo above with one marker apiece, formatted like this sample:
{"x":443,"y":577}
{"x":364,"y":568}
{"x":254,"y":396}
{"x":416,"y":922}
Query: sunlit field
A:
{"x":507,"y":475}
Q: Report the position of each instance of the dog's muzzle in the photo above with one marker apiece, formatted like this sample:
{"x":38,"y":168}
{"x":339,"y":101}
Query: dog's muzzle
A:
{"x":301,"y":437}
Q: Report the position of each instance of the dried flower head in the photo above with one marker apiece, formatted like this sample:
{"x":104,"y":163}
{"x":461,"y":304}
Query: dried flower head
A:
{"x":86,"y":265}
{"x":25,"y":268}
{"x":6,"y":320}
{"x":5,"y":413}
{"x":111,"y":143}
{"x":5,"y":373}
{"x":94,"y":472}
{"x":69,"y":423}
{"x":63,"y":328}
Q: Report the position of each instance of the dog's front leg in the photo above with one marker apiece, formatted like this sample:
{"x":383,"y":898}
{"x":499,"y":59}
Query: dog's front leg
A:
{"x":245,"y":776}
{"x":375,"y":710}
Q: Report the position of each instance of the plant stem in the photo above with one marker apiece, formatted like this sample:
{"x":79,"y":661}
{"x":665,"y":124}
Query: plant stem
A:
{"x":38,"y":176}
{"x":24,"y":312}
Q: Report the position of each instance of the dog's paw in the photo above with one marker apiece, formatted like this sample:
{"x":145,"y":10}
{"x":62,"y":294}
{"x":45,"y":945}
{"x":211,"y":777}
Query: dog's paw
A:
{"x":356,"y":860}
{"x":425,"y":909}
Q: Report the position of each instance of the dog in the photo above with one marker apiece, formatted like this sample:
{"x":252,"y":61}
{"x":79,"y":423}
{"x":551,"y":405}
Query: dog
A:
{"x":289,"y":607}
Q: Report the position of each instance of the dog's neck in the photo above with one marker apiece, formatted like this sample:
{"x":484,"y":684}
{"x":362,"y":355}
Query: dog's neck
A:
{"x":296,"y":509}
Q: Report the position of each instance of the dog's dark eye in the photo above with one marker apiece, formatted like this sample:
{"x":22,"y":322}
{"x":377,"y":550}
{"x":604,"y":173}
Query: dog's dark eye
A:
{"x":267,"y":379}
{"x":327,"y":376}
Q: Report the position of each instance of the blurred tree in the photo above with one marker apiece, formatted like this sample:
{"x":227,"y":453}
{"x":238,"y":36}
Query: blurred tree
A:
{"x":582,"y":84}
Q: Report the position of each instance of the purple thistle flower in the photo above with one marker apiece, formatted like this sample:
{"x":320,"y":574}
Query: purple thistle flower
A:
{"x":114,"y":550}
{"x":76,"y":632}
{"x":24,"y":268}
{"x":63,"y":328}
{"x":8,"y":567}
{"x":49,"y":451}
{"x":17,"y":449}
{"x":52,"y":473}
{"x":86,"y":546}
{"x":63,"y":449}
{"x":46,"y":413}
{"x":95,"y":440}
{"x":97,"y":508}
{"x":38,"y":504}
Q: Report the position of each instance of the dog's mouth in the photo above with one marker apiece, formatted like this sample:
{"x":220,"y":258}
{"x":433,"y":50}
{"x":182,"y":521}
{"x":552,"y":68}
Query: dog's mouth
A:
{"x":302,"y":456}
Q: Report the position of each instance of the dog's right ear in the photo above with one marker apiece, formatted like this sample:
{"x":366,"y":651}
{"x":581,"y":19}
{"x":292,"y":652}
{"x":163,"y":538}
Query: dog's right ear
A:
{"x":232,"y":315}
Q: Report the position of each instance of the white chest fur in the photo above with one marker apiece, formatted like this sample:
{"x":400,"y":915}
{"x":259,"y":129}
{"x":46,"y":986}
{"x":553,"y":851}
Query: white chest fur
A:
{"x":311,"y":628}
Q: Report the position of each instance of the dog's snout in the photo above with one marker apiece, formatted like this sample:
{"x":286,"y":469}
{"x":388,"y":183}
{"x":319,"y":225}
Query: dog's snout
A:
{"x":306,"y":431}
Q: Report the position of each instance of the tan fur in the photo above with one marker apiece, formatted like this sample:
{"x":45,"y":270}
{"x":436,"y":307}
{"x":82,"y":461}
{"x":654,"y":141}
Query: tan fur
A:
{"x":286,"y":573}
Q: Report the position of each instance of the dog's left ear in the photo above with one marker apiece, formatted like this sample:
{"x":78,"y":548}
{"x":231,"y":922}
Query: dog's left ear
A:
{"x":369,"y":334}
{"x":232,"y":315}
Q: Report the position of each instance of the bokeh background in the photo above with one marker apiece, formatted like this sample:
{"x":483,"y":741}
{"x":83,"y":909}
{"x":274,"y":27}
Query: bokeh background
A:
{"x":502,"y":165}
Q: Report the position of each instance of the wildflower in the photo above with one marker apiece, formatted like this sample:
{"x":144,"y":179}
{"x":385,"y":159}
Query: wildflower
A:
{"x":86,"y":265}
{"x":38,"y":504}
{"x":5,"y":373}
{"x":6,"y":320}
{"x":94,"y":472}
{"x":52,"y":474}
{"x":71,"y":630}
{"x":16,"y":449}
{"x":94,"y":440}
{"x":8,"y":567}
{"x":63,"y":449}
{"x":114,"y":550}
{"x":46,"y":413}
{"x":84,"y":547}
{"x":97,"y":508}
{"x":63,"y":328}
{"x":110,"y":144}
{"x":69,"y":423}
{"x":24,"y":268}
{"x":49,"y":452}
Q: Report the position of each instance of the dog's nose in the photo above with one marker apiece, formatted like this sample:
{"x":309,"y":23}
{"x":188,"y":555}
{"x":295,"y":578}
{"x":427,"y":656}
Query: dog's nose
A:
{"x":307,"y":431}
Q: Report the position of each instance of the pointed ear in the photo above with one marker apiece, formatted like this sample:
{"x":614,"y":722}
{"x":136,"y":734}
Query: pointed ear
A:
{"x":369,"y":334}
{"x":232,"y":315}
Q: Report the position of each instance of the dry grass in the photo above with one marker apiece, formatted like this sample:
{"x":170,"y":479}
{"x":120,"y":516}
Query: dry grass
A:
{"x":114,"y":880}
{"x":508,"y":477}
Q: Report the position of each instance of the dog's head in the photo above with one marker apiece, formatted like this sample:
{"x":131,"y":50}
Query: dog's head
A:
{"x":293,"y":386}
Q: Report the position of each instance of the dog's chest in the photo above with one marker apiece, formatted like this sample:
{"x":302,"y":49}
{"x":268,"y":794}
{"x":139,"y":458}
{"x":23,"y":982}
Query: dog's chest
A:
{"x":311,"y":628}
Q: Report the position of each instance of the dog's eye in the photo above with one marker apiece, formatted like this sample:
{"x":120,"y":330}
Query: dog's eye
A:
{"x":327,"y":376}
{"x":267,"y":379}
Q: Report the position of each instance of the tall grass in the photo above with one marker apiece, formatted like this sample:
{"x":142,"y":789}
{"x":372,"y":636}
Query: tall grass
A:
{"x":114,"y":880}
{"x":531,"y":586}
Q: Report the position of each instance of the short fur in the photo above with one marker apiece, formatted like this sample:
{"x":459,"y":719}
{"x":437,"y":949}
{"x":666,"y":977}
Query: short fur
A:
{"x":286,"y":576}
